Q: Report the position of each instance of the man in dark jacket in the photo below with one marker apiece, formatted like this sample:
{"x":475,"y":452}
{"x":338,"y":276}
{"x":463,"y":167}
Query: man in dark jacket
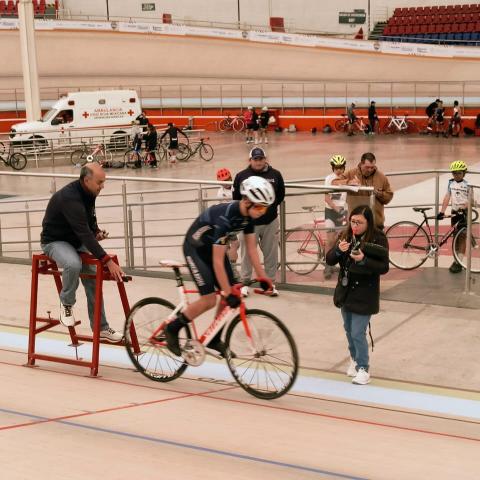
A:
{"x":172,"y":131}
{"x":69,"y":227}
{"x":266,"y":227}
{"x":151,"y":145}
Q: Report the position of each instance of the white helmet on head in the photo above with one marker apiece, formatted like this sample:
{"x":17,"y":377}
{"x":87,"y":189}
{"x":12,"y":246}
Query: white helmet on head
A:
{"x":265,"y":108}
{"x":249,"y":107}
{"x":258,"y":190}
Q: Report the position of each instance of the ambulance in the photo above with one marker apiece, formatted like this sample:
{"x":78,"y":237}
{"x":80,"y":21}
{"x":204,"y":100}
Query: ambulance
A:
{"x":83,"y":114}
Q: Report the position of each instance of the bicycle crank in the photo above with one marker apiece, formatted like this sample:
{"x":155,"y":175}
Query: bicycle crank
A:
{"x":193,"y":352}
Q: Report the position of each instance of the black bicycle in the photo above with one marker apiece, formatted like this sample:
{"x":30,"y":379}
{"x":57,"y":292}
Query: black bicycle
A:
{"x":205,"y":150}
{"x":412,"y":244}
{"x":16,"y":160}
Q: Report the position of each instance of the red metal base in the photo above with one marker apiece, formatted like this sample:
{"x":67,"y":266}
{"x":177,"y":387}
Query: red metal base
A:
{"x":43,"y":265}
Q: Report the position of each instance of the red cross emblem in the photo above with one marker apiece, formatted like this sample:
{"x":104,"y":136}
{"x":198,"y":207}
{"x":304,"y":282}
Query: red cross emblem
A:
{"x":130,"y":112}
{"x":85,"y":114}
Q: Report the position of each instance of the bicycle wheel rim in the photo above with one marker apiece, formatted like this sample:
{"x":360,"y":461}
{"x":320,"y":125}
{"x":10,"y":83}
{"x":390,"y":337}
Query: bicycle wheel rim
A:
{"x":340,"y":126}
{"x":266,"y":365}
{"x":222,"y":126}
{"x":18,"y":161}
{"x":408,"y":248}
{"x":152,"y":359}
{"x":183,"y":152}
{"x":78,"y":158}
{"x":238,"y":125}
{"x":459,"y":244}
{"x":130,"y":158}
{"x":302,"y":251}
{"x":206,"y":152}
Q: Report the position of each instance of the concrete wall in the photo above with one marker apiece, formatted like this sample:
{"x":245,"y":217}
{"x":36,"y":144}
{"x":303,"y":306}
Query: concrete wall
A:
{"x":315,"y":15}
{"x":72,"y":58}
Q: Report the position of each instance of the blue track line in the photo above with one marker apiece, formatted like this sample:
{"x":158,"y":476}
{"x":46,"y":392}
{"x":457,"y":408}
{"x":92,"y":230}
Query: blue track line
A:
{"x":189,"y":446}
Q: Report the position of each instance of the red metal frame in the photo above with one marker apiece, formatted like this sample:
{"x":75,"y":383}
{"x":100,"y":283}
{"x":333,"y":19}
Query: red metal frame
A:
{"x":43,"y":265}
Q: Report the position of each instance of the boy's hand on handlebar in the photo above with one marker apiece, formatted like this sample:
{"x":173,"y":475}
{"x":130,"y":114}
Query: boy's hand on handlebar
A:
{"x":233,"y":301}
{"x":440,"y":216}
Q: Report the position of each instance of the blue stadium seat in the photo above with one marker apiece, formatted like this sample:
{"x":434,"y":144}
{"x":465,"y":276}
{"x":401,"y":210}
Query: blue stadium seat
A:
{"x":466,"y":36}
{"x":458,"y":36}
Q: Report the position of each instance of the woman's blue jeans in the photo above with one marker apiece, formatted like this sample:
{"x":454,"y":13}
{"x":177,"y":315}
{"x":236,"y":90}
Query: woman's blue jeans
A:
{"x":66,"y":257}
{"x":356,"y":330}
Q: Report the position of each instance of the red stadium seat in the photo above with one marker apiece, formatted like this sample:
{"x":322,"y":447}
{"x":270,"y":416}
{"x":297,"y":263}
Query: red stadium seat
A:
{"x":277,"y":24}
{"x":408,"y":29}
{"x":416,"y":29}
{"x":462,"y":27}
{"x":401,"y":30}
{"x":423,"y":28}
{"x":167,"y":18}
{"x":3,"y":7}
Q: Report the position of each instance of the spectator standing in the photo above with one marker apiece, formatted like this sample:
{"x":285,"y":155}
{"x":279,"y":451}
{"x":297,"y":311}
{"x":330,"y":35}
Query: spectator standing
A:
{"x":430,"y":111}
{"x":172,"y":131}
{"x":352,"y":118}
{"x":440,"y":119}
{"x":456,"y":120}
{"x":248,"y":119}
{"x":142,"y":120}
{"x":255,"y":125}
{"x":70,"y":227}
{"x":372,"y":117}
{"x":366,"y":174}
{"x":151,"y":144}
{"x":263,"y":120}
{"x":335,"y":206}
{"x":266,"y":227}
{"x":362,"y":252}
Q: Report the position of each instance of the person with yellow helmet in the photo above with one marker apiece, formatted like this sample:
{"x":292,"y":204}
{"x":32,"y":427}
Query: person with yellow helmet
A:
{"x":457,"y":195}
{"x":335,"y":206}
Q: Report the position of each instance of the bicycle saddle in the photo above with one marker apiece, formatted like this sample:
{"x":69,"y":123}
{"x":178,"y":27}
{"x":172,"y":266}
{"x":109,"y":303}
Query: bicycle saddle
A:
{"x":171,"y":263}
{"x":421,"y":209}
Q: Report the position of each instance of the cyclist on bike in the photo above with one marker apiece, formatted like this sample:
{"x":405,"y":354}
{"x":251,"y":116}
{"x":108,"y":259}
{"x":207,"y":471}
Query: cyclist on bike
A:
{"x":440,"y":119}
{"x":137,"y":135}
{"x":151,"y":145}
{"x":205,"y":247}
{"x":430,"y":111}
{"x":352,"y":118}
{"x":457,"y":194}
{"x":172,"y":131}
{"x":335,"y":206}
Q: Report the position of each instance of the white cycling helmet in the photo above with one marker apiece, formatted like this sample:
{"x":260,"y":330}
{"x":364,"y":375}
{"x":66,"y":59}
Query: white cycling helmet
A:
{"x":258,"y":190}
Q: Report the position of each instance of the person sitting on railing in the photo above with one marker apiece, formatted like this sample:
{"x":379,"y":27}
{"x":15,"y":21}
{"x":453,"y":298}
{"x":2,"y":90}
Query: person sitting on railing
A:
{"x":457,"y":193}
{"x":70,"y":227}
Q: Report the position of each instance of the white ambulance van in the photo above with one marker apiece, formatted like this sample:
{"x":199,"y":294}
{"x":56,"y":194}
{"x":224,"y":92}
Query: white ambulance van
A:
{"x":79,"y":115}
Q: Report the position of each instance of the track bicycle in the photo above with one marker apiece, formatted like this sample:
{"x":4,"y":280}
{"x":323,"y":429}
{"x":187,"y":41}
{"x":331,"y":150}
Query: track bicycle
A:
{"x":2,"y":148}
{"x":358,"y":125}
{"x":182,"y":154}
{"x":305,"y":246}
{"x":133,"y":158}
{"x":411,"y":244}
{"x":259,"y":350}
{"x":237,"y":124}
{"x":99,"y":154}
{"x":401,"y":124}
{"x":205,"y":150}
{"x":16,"y":160}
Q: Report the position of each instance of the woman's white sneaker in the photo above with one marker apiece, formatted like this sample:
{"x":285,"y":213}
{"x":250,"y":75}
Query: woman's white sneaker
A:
{"x":110,"y":335}
{"x":66,"y":315}
{"x":352,"y":368}
{"x":362,"y":377}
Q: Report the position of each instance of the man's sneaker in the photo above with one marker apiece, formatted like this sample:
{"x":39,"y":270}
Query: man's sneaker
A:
{"x":352,"y":368}
{"x":66,"y":315}
{"x":244,"y":291}
{"x":455,"y":267}
{"x":274,"y":292}
{"x":110,"y":335}
{"x":362,"y":377}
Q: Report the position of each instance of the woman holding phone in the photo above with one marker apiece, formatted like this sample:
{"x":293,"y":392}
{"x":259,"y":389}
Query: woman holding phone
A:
{"x":362,"y":252}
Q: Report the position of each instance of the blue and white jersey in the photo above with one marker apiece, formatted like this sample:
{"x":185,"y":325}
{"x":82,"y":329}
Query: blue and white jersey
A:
{"x":217,"y":224}
{"x":458,"y":193}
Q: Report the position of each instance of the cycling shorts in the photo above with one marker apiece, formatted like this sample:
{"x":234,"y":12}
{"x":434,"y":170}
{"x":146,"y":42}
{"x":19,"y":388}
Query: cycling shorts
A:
{"x":252,"y":126}
{"x":334,"y":219}
{"x":200,"y":264}
{"x":173,"y":144}
{"x":458,"y":218}
{"x":351,"y":120}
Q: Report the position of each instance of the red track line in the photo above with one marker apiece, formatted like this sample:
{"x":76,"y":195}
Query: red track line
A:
{"x":245,"y":402}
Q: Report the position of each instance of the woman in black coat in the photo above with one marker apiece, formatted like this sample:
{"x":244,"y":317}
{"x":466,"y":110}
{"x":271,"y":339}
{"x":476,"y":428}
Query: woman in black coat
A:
{"x":362,"y":252}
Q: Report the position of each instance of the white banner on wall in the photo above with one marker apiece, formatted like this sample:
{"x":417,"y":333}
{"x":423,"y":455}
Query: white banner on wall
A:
{"x":395,"y":48}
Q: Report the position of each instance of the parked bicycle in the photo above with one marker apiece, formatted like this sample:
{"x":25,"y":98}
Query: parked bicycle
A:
{"x":99,"y":154}
{"x":260,"y":351}
{"x":237,"y":124}
{"x":411,"y":244}
{"x":134,"y":159}
{"x":305,"y":246}
{"x":401,"y":124}
{"x":182,"y":151}
{"x":358,"y":125}
{"x":205,"y":150}
{"x":16,"y":160}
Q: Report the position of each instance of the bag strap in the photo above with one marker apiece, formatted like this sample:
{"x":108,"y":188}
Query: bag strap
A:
{"x":370,"y":334}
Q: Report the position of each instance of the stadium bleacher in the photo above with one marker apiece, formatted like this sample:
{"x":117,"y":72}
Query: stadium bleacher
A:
{"x":9,"y":8}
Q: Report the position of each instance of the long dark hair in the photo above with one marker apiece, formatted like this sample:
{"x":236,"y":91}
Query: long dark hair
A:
{"x":366,"y":211}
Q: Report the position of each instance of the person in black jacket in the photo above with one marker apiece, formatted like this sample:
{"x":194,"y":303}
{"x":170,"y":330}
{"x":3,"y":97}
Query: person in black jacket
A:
{"x":362,"y":252}
{"x":372,"y":117}
{"x":266,"y":227}
{"x":151,"y":145}
{"x":172,"y":131}
{"x":69,"y":227}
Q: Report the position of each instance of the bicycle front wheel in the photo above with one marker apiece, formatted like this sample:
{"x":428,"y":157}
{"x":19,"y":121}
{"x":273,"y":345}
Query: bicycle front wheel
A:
{"x":409,"y":245}
{"x":388,"y":128}
{"x":459,"y":247}
{"x":183,"y":152}
{"x":206,"y":152}
{"x":262,"y":355}
{"x":411,"y":127}
{"x":303,"y":251}
{"x":341,"y":125}
{"x":224,"y":125}
{"x":145,"y":340}
{"x":130,"y":158}
{"x":79,"y":157}
{"x":238,"y":125}
{"x":18,"y":161}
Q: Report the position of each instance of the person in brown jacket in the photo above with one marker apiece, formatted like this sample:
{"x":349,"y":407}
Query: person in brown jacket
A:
{"x":365,"y":174}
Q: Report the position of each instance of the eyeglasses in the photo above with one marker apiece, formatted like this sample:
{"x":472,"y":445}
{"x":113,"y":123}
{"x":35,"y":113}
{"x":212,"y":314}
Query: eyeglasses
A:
{"x":356,"y":223}
{"x":259,"y":208}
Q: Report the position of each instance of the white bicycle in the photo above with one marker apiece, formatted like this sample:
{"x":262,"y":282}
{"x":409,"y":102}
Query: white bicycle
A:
{"x":401,"y":124}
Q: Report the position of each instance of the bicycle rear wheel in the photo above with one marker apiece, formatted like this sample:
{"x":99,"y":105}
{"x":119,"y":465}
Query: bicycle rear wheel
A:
{"x":409,"y":245}
{"x":183,"y":152}
{"x":206,"y":152}
{"x":224,"y":125}
{"x":411,"y":127}
{"x":388,"y":128}
{"x":153,"y":359}
{"x":238,"y":125}
{"x":459,"y":244}
{"x":79,"y":157}
{"x":130,"y":158}
{"x":264,"y":361}
{"x":303,"y":251}
{"x":341,"y":125}
{"x":18,"y":161}
{"x":2,"y":148}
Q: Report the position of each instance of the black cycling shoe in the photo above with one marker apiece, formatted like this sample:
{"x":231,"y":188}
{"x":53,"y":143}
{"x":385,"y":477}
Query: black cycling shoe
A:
{"x":220,"y":347}
{"x":455,"y":268}
{"x":172,"y":342}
